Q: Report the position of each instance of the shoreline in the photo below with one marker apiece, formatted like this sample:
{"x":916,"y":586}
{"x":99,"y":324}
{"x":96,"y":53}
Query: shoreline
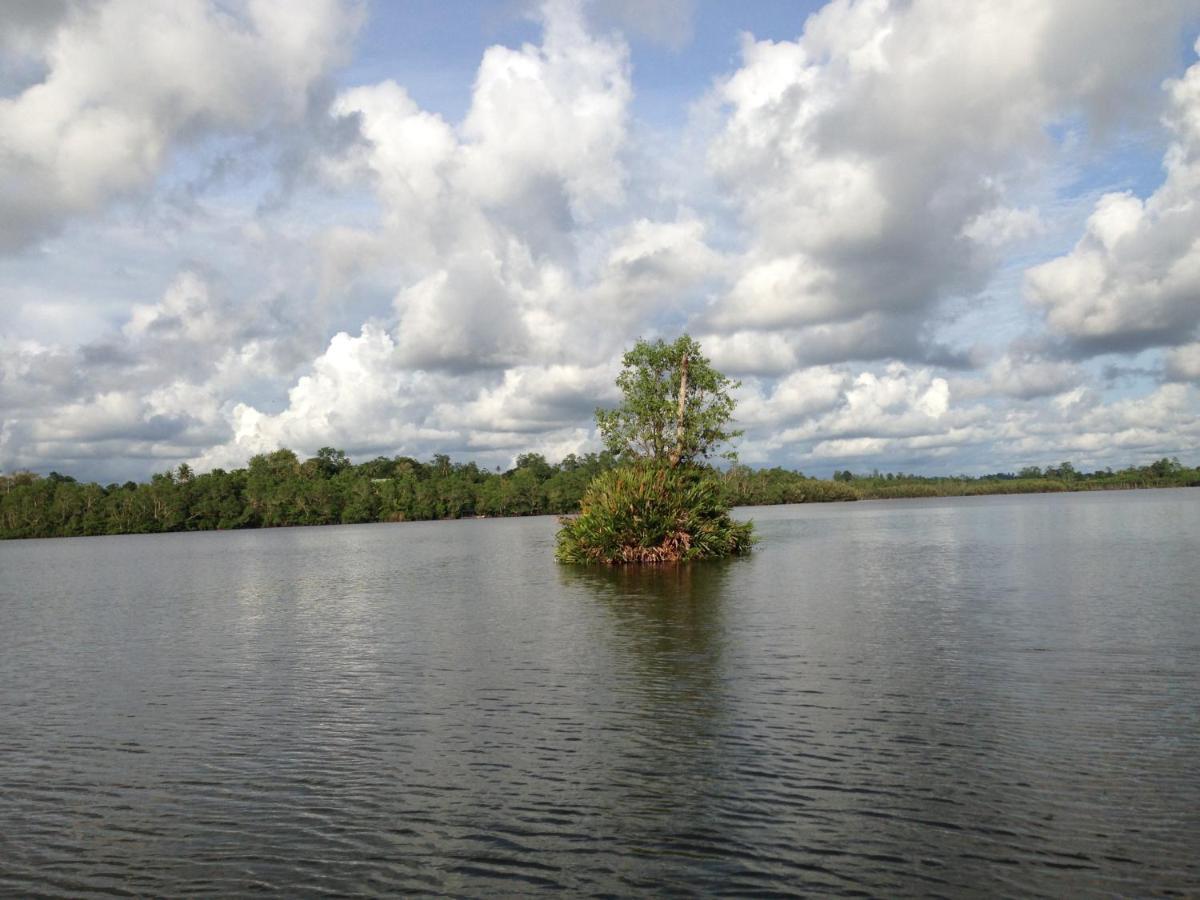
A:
{"x":919,"y":491}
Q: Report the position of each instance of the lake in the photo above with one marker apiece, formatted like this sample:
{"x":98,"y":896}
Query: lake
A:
{"x":987,"y":695}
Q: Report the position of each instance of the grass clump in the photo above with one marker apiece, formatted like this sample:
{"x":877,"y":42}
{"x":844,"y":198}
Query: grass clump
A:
{"x":652,"y":513}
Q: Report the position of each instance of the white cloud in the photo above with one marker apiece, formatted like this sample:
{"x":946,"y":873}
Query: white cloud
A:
{"x":750,"y":353}
{"x":126,"y":80}
{"x":1002,"y":225}
{"x":482,"y":216}
{"x":901,"y":416}
{"x":1028,"y":378}
{"x":871,"y":159}
{"x":1183,"y":363}
{"x":1133,"y":279}
{"x":356,"y":396}
{"x":800,"y":395}
{"x":408,"y":152}
{"x":552,"y":113}
{"x":824,"y":403}
{"x":471,"y":313}
{"x":186,"y":311}
{"x":651,"y":269}
{"x":468,"y":286}
{"x":361,"y":396}
{"x":533,"y":399}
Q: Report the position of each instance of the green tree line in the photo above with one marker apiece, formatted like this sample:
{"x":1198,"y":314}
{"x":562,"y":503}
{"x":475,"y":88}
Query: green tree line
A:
{"x":1029,"y":480}
{"x":279,"y":489}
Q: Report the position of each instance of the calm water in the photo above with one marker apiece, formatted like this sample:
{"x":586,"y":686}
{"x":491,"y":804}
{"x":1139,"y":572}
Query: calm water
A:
{"x":967,"y":696}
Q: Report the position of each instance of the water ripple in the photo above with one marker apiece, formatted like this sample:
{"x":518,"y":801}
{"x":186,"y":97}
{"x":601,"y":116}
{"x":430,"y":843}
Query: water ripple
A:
{"x":437,"y":709}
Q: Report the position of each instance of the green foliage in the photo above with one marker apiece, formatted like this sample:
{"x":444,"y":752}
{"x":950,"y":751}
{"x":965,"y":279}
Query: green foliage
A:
{"x":278,"y":489}
{"x":655,"y":513}
{"x":1028,"y":480}
{"x":664,"y":506}
{"x":763,"y":487}
{"x":648,"y":424}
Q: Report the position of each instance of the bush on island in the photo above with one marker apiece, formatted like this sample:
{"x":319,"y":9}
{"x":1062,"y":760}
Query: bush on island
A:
{"x":665,"y":505}
{"x":652,"y":513}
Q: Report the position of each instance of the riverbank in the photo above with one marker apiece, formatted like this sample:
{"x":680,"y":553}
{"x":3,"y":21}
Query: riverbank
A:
{"x":279,"y":489}
{"x":834,"y":491}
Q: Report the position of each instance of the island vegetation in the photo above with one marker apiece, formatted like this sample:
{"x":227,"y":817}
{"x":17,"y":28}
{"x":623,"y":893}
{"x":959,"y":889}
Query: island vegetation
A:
{"x":280,"y":488}
{"x":664,"y":503}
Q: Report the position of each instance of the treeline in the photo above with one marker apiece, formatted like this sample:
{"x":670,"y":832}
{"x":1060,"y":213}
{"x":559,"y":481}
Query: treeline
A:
{"x":1029,"y":480}
{"x":279,"y":489}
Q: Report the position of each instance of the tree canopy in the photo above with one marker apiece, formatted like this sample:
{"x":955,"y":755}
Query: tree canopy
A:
{"x":676,"y":409}
{"x":278,"y":489}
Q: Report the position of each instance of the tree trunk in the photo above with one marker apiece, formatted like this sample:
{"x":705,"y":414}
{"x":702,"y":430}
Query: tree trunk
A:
{"x":677,"y":453}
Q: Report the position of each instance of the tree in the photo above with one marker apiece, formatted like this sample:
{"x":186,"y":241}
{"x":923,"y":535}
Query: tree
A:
{"x":329,"y":461}
{"x":1163,"y":468}
{"x":664,"y":505}
{"x":535,"y":463}
{"x":676,"y":407}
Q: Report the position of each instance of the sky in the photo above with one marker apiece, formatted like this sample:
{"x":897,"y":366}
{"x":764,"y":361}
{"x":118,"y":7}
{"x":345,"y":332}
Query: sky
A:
{"x":925,"y":236}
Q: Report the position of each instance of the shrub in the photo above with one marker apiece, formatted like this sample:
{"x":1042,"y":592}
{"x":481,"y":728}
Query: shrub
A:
{"x":815,"y":491}
{"x":652,"y":513}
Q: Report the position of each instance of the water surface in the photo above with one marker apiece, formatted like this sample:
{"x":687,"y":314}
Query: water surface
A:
{"x":962,"y":696}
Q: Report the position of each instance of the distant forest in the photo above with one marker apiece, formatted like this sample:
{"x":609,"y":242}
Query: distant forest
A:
{"x":279,"y":489}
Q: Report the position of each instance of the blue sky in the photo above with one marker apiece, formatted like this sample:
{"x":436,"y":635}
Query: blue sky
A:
{"x":924,"y":235}
{"x":433,"y":48}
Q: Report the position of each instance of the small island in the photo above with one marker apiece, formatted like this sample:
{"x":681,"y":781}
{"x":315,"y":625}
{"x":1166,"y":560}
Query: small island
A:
{"x":664,"y":503}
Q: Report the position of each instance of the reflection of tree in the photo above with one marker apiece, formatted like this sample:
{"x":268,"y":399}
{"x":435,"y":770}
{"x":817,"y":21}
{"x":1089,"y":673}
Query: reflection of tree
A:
{"x":664,"y":744}
{"x":669,"y":630}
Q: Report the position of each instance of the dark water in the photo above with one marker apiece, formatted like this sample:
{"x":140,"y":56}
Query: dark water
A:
{"x":955,"y":697}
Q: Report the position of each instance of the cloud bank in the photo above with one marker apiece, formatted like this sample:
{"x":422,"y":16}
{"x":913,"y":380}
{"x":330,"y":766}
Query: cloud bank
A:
{"x":906,"y":227}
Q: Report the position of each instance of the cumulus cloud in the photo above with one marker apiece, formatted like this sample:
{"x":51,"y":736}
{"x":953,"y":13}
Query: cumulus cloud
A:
{"x":871,"y":158}
{"x":355,"y":387}
{"x":1026,"y":377}
{"x":824,"y":403}
{"x":155,"y":388}
{"x":1162,"y":422}
{"x":552,"y":114}
{"x":800,"y":395}
{"x":533,"y":399}
{"x":187,"y":312}
{"x":482,"y":215}
{"x":125,"y":81}
{"x":1003,"y":225}
{"x":901,"y":416}
{"x":467,"y":285}
{"x":56,"y":407}
{"x":541,"y":139}
{"x":1133,"y":279}
{"x":1183,"y":363}
{"x":651,"y":271}
{"x":359,"y":395}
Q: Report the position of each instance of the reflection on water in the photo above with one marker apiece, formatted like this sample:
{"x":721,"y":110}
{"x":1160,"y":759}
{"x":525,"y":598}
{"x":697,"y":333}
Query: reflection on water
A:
{"x":665,"y":632}
{"x":667,"y":624}
{"x":987,"y":695}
